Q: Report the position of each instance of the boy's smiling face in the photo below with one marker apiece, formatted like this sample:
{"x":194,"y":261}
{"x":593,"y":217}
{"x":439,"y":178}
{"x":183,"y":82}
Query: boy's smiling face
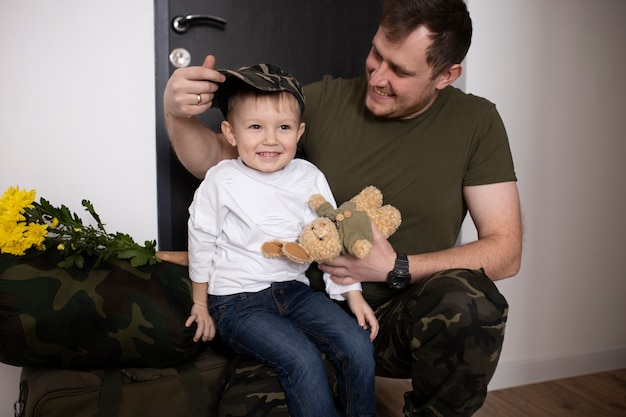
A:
{"x":265,"y":128}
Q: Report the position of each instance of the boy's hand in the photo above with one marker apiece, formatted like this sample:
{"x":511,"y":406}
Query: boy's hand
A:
{"x":206,"y":326}
{"x":363,"y":312}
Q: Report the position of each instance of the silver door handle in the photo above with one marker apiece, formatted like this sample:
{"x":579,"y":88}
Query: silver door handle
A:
{"x":181,"y":24}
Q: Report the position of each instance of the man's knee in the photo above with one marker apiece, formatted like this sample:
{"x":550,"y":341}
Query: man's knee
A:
{"x":457,"y":312}
{"x":460,"y":296}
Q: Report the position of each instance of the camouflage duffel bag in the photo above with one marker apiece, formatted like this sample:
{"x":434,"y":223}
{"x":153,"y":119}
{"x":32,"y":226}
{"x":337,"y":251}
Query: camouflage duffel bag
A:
{"x":115,"y":315}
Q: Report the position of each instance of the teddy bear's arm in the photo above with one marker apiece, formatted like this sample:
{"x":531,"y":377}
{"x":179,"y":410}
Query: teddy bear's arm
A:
{"x":323,"y":209}
{"x":272,"y":249}
{"x":316,"y":200}
{"x":296,"y":253}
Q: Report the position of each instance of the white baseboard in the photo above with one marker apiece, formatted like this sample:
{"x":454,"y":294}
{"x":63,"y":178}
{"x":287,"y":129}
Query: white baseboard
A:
{"x":545,"y":369}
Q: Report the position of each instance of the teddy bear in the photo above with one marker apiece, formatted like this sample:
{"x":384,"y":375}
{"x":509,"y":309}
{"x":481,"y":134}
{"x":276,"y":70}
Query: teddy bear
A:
{"x":346,"y":229}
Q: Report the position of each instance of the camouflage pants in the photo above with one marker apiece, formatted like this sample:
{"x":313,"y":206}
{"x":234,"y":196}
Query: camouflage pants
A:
{"x":445,"y":333}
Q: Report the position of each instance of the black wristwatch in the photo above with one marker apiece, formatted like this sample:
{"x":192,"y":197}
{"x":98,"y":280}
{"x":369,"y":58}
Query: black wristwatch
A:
{"x":400,"y":277}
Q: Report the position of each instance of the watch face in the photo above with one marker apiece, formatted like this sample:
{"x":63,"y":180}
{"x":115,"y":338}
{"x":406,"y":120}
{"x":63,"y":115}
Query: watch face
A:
{"x":398,"y":282}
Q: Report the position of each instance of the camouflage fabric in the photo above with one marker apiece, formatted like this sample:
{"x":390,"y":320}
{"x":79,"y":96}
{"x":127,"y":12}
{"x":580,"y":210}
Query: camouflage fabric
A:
{"x":263,"y":77}
{"x":455,"y":325}
{"x":444,"y":333}
{"x":253,"y":389}
{"x":115,"y":315}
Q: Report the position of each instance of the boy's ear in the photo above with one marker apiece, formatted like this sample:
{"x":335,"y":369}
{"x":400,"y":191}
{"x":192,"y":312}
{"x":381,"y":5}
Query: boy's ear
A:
{"x":228,"y":132}
{"x":301,"y":130}
{"x":449,"y":76}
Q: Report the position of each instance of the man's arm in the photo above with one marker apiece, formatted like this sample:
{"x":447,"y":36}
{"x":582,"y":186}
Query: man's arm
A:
{"x":495,"y":210}
{"x":197,"y":147}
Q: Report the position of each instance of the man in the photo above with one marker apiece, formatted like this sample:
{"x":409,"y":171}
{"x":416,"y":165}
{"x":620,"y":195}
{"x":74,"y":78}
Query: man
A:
{"x":436,"y":153}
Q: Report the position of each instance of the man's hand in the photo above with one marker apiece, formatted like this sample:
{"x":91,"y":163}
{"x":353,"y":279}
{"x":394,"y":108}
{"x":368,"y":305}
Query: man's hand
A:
{"x":346,"y":269}
{"x":190,"y":90}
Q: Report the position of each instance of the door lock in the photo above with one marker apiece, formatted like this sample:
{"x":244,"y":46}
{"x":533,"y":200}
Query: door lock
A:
{"x":180,"y":58}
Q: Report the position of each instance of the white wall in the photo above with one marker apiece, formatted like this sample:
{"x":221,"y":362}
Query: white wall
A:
{"x":77,"y":117}
{"x":555,"y":70}
{"x":77,"y":106}
{"x":77,"y":114}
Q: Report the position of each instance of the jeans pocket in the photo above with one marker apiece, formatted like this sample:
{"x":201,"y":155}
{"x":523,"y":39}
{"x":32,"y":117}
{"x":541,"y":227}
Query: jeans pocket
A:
{"x":225,"y":308}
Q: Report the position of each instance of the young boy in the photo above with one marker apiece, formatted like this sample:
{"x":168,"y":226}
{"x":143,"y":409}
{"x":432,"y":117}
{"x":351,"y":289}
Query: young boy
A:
{"x":264,"y":307}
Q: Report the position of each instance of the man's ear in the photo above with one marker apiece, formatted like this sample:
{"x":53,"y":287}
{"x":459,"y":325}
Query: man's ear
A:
{"x":449,"y":76}
{"x":228,"y":132}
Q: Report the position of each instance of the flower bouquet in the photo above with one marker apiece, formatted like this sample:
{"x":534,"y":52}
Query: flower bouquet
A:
{"x":27,"y":226}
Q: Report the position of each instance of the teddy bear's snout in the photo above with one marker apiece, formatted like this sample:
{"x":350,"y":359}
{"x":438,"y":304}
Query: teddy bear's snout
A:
{"x":320,"y":231}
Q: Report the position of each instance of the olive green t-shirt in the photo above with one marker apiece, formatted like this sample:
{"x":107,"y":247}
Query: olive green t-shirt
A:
{"x":420,"y":164}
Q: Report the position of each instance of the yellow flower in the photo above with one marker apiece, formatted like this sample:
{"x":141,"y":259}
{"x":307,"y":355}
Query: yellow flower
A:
{"x":13,"y":202}
{"x":54,"y":222}
{"x":60,"y":247}
{"x":12,"y":239}
{"x":16,"y":236}
{"x":22,"y":236}
{"x":36,"y":235}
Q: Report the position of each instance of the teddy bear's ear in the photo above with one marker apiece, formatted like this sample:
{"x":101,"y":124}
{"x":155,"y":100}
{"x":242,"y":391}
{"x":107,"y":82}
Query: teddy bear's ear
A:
{"x":296,"y":253}
{"x":272,"y":249}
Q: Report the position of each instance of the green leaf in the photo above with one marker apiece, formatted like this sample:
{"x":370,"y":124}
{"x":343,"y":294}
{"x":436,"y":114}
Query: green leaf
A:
{"x":89,"y":207}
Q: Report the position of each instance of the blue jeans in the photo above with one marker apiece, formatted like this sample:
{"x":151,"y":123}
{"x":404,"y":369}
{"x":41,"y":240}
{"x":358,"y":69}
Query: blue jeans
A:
{"x":286,"y":326}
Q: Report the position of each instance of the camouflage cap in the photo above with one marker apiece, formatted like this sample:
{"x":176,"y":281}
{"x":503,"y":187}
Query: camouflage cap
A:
{"x":264,"y":77}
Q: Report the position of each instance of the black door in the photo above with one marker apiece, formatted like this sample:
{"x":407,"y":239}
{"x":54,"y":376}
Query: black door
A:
{"x":307,"y":38}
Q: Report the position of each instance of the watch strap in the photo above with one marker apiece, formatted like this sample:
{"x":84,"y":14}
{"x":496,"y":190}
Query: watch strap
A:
{"x":399,"y":278}
{"x":402,"y":264}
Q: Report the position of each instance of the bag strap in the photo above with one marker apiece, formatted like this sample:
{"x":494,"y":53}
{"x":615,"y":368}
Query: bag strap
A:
{"x":111,"y":394}
{"x":194,"y":387}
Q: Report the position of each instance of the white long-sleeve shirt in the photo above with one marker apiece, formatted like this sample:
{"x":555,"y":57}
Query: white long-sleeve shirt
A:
{"x":236,"y":209}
